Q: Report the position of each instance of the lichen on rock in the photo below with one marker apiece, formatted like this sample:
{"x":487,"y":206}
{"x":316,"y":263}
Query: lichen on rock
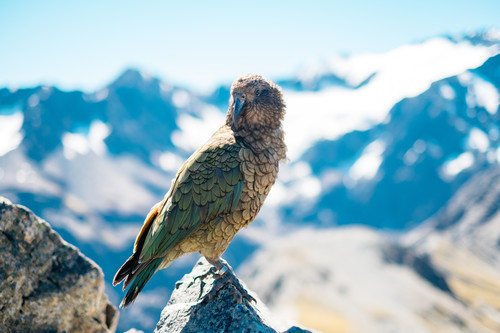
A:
{"x":47,"y":284}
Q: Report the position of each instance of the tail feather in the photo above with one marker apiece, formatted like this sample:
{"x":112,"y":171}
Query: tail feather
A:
{"x":127,"y":268}
{"x":133,"y":269}
{"x":140,"y":279}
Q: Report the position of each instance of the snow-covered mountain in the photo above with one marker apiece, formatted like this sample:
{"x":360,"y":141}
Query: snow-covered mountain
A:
{"x":378,"y":139}
{"x":400,"y":171}
{"x":443,"y":276}
{"x":94,"y":164}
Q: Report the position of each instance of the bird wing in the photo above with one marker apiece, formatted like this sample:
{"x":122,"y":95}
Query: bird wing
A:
{"x":209,"y":184}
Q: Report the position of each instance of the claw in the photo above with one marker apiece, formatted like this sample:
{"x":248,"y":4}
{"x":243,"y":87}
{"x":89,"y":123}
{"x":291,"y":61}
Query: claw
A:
{"x":239,"y":291}
{"x":223,"y":272}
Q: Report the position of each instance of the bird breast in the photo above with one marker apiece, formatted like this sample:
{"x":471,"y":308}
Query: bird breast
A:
{"x":259,"y":174}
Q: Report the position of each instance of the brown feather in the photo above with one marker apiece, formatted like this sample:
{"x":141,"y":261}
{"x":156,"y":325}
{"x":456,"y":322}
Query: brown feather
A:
{"x":234,"y":185}
{"x":132,"y":267}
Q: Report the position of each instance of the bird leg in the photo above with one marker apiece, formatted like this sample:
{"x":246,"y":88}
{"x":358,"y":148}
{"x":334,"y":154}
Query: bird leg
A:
{"x":226,"y":275}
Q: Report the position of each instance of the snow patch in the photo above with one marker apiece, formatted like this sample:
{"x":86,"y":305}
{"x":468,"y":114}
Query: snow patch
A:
{"x":485,"y":94}
{"x":104,"y":184}
{"x":170,"y":162}
{"x":10,"y":131}
{"x":404,"y":72}
{"x":180,"y":98}
{"x":102,"y":94}
{"x":194,"y":131}
{"x":74,"y":143}
{"x":295,"y":182}
{"x":367,"y":165}
{"x":20,"y":173}
{"x":457,"y":165}
{"x":447,"y":92}
{"x":33,"y":100}
{"x":478,"y":140}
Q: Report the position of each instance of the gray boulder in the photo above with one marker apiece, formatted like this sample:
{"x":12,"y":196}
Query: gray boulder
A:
{"x":46,"y":284}
{"x":190,"y":311}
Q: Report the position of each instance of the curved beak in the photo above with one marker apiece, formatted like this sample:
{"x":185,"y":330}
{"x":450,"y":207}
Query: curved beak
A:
{"x":238,"y":106}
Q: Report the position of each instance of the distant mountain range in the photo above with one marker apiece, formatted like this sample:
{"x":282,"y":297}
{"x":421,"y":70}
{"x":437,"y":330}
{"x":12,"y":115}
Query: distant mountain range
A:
{"x":383,"y":140}
{"x":398,"y":173}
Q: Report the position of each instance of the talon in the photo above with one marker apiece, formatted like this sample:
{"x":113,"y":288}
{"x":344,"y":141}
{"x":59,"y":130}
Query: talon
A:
{"x":204,"y":275}
{"x":237,"y":296}
{"x":239,"y":291}
{"x":221,"y":270}
{"x":213,"y":271}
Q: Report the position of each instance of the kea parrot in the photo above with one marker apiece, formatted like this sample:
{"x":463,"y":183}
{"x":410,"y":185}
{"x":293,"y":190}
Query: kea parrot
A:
{"x":219,"y":189}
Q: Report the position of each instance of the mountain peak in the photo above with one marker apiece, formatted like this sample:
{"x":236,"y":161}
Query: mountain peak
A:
{"x":134,"y":78}
{"x":486,"y":37}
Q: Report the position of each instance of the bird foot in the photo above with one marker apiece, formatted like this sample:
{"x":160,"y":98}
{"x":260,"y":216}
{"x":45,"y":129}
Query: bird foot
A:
{"x":239,"y":292}
{"x":225,"y":275}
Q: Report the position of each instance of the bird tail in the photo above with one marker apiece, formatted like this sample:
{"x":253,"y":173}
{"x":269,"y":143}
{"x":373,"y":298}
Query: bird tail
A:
{"x":140,"y":276}
{"x":130,"y":267}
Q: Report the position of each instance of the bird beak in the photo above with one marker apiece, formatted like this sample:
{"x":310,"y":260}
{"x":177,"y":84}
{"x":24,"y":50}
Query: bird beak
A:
{"x":238,"y":105}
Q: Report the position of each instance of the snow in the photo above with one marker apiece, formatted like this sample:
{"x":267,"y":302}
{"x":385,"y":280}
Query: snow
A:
{"x":295,"y":182}
{"x":403,"y":72}
{"x":478,"y":140}
{"x":457,"y":165}
{"x":94,"y":230}
{"x":170,"y":162}
{"x":194,"y":131}
{"x":485,"y":94}
{"x":180,"y":98}
{"x":10,"y":131}
{"x":33,"y":100}
{"x":493,"y":34}
{"x":102,"y":94}
{"x":447,"y":92}
{"x":75,"y":143}
{"x":108,"y":184}
{"x":20,"y":173}
{"x":97,"y":185}
{"x":367,"y":165}
{"x":480,"y":92}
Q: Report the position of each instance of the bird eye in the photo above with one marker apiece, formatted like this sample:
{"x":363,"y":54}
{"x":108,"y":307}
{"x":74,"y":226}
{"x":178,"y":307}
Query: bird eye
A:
{"x":257,"y":92}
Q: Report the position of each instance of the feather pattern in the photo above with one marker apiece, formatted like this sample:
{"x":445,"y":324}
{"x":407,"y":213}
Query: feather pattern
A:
{"x":219,"y":189}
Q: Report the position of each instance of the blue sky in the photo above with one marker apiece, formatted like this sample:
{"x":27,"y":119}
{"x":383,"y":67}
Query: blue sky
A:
{"x":86,"y":44}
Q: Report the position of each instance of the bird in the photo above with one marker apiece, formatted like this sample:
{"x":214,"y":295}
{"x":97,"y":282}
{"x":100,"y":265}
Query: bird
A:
{"x":218,"y":190}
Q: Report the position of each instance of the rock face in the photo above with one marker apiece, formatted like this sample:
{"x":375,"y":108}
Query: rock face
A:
{"x":190,"y":311}
{"x":46,"y":284}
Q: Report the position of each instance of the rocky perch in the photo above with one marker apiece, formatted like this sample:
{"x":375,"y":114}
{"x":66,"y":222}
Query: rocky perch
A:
{"x":46,"y":284}
{"x":190,"y":311}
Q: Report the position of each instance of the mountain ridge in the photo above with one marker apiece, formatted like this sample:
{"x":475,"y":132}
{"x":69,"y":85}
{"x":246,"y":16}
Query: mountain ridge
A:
{"x":94,"y":163}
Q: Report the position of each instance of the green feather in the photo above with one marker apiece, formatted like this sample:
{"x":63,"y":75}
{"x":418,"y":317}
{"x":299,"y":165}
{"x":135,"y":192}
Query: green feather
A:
{"x":208,"y":185}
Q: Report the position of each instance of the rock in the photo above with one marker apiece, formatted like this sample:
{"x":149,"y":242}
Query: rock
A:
{"x":190,"y":311}
{"x":46,"y":284}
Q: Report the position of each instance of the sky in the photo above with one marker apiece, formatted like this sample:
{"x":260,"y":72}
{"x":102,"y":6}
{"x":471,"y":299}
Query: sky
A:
{"x":199,"y":44}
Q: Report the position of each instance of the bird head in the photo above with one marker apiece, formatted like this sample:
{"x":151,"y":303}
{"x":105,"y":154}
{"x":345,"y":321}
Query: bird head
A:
{"x":255,"y":103}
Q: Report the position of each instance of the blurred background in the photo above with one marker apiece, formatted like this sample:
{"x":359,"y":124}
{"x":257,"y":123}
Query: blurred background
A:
{"x":386,"y":217}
